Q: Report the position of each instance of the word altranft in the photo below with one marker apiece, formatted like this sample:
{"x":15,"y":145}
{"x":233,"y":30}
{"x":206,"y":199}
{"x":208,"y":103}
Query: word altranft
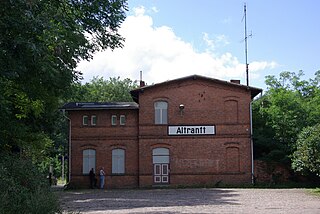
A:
{"x":191,"y":130}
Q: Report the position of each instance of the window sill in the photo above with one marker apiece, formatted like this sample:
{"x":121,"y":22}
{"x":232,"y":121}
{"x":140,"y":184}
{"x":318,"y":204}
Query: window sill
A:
{"x":118,"y":174}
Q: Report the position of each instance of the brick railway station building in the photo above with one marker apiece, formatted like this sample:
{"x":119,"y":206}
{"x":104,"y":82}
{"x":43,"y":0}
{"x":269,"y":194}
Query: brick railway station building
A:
{"x":188,"y":131}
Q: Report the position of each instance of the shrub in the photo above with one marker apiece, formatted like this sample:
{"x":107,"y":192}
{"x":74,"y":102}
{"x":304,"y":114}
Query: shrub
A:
{"x":23,"y":189}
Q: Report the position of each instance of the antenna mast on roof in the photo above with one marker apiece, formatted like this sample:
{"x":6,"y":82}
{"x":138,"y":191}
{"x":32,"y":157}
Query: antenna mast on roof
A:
{"x":140,"y":75}
{"x":246,"y":42}
{"x":142,"y":83}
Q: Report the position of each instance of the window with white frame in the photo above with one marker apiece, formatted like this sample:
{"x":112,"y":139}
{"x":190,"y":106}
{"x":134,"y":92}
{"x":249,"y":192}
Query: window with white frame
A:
{"x":118,"y":160}
{"x":89,"y":160}
{"x":114,"y":120}
{"x":93,"y":120}
{"x":122,"y":120}
{"x":85,"y":120}
{"x":161,"y":112}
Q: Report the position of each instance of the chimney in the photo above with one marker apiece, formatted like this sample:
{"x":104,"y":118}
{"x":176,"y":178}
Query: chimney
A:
{"x":142,"y":83}
{"x":235,"y":81}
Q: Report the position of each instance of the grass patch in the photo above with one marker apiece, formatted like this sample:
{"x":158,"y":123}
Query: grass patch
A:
{"x":315,"y":191}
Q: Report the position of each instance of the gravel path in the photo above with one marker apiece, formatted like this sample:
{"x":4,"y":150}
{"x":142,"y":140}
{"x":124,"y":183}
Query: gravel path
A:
{"x":190,"y":201}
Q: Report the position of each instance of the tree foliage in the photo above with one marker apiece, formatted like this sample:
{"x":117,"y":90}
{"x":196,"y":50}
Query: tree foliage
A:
{"x":100,"y":90}
{"x":22,"y":188}
{"x":306,"y":158}
{"x":289,"y":105}
{"x":40,"y":45}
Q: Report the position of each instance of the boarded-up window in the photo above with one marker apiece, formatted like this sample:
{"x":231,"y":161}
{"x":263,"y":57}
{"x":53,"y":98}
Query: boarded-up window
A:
{"x":233,"y":162}
{"x":231,"y":111}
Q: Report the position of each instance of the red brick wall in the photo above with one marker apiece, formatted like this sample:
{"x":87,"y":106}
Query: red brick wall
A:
{"x":223,"y":157}
{"x":270,"y":172}
{"x":198,"y":159}
{"x":103,"y":138}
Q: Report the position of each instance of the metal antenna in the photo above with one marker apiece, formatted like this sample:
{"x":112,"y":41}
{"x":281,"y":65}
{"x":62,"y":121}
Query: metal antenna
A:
{"x":246,"y":42}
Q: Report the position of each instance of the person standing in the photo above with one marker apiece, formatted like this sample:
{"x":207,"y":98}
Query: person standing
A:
{"x":92,"y":178}
{"x":102,"y":177}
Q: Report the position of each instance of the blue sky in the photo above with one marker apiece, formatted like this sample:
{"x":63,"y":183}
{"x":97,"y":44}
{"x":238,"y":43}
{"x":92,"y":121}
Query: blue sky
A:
{"x":168,"y":39}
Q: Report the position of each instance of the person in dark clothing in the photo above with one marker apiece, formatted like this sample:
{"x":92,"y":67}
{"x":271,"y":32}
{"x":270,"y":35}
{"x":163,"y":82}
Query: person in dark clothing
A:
{"x":93,"y":179}
{"x":50,"y":178}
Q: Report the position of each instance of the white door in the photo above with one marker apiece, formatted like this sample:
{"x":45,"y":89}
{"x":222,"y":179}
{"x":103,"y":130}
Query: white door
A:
{"x":160,"y":165}
{"x":161,"y":173}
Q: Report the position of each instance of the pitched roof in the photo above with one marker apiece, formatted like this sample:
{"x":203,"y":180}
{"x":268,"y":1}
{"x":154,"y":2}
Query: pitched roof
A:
{"x":99,"y":105}
{"x":254,"y":91}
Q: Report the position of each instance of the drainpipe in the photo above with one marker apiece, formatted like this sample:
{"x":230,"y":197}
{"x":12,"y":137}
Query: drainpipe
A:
{"x":69,"y":145}
{"x":251,"y":144}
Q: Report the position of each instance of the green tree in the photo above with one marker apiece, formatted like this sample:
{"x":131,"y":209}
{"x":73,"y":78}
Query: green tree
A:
{"x":40,"y":45}
{"x":100,"y":90}
{"x":306,"y":158}
{"x":289,"y":105}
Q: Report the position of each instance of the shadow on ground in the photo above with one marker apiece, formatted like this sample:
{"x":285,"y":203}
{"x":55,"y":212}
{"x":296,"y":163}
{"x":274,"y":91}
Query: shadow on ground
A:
{"x":112,"y":200}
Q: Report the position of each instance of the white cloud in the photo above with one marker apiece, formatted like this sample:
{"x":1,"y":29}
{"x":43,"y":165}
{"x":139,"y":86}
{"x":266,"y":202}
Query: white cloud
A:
{"x":139,"y":11}
{"x":214,"y":43}
{"x":162,"y":55}
{"x":257,"y":66}
{"x":154,"y":9}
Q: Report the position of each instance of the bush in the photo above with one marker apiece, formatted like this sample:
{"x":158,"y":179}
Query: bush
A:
{"x":306,"y":158}
{"x":23,"y":189}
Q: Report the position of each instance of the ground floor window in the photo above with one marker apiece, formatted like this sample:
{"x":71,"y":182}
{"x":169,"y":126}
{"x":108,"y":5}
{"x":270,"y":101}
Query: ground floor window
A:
{"x":89,"y":160}
{"x":118,"y":161}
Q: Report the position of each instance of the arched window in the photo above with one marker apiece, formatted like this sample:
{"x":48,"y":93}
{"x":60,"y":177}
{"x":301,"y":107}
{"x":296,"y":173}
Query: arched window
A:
{"x":160,"y":155}
{"x":118,"y":160}
{"x":89,"y":160}
{"x":161,"y":112}
{"x":233,"y":159}
{"x":231,"y":111}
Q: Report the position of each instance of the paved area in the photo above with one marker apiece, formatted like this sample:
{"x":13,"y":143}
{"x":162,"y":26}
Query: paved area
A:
{"x":218,"y":200}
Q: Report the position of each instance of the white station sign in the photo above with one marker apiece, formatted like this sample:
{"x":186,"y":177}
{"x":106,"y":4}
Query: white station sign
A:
{"x":191,"y":130}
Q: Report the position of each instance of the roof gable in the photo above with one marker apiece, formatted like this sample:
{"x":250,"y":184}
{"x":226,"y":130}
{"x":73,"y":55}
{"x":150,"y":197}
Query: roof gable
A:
{"x":254,"y":91}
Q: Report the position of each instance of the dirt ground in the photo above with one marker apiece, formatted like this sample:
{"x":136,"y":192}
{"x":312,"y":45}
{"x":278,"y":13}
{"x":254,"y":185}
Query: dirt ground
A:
{"x":214,"y":200}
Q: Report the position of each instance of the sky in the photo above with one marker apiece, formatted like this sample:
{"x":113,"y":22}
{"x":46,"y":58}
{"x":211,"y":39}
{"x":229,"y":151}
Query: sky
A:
{"x":169,"y":39}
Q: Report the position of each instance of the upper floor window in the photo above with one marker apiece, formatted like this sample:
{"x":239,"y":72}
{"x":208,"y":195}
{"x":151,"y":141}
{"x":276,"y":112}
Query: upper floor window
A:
{"x":93,"y":120}
{"x":85,"y":120}
{"x":89,"y":160}
{"x":161,"y":112}
{"x":118,"y":161}
{"x":114,"y":120}
{"x":122,"y":120}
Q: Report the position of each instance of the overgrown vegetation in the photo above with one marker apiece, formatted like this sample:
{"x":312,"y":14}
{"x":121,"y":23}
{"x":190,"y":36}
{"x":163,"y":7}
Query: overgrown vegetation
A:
{"x":23,"y":189}
{"x":41,"y":43}
{"x":286,"y":122}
